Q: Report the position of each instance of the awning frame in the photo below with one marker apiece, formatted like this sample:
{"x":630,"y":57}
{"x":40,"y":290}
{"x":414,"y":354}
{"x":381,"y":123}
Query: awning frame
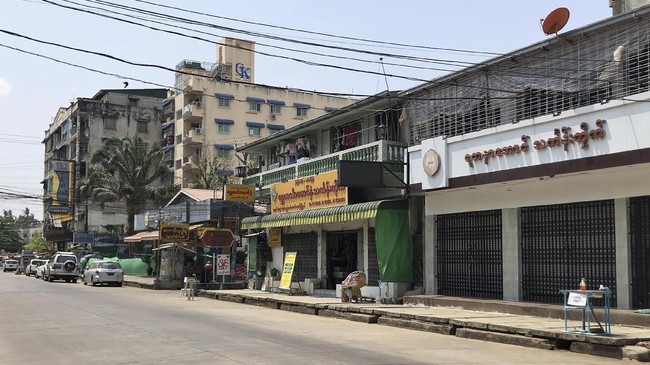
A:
{"x":342,"y":213}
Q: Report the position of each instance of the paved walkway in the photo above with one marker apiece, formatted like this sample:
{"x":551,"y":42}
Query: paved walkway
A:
{"x":626,"y":341}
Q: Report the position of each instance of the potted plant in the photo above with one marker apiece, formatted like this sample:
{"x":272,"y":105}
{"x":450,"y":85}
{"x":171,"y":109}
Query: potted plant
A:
{"x":252,"y":167}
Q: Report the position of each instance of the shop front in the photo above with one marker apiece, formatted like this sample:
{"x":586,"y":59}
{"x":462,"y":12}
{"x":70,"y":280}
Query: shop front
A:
{"x":333,"y":234}
{"x":522,"y":211}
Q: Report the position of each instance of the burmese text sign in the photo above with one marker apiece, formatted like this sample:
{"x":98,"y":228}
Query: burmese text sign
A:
{"x":311,"y":192}
{"x":287,"y":270}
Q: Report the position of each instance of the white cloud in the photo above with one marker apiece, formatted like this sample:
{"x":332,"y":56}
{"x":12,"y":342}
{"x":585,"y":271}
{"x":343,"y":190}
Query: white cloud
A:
{"x":5,"y":88}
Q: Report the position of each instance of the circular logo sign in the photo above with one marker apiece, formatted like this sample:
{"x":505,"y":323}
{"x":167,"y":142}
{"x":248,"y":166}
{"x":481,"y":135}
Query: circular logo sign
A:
{"x":431,"y":162}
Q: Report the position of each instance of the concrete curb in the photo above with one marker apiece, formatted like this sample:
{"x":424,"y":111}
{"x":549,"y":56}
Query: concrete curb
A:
{"x":614,"y":347}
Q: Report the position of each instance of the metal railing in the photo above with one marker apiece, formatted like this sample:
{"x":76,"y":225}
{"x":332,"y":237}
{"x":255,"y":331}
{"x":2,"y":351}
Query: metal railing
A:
{"x":379,"y":151}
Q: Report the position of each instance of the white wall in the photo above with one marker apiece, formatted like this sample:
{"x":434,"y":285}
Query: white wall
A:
{"x":626,"y":129}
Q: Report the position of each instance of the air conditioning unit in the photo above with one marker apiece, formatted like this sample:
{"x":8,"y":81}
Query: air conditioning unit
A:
{"x":198,"y":104}
{"x":272,"y":116}
{"x":198,"y":130}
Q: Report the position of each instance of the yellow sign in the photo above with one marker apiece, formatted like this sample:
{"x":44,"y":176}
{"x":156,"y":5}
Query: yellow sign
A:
{"x":239,"y":193}
{"x":305,"y":193}
{"x":274,"y":237}
{"x":174,"y":231}
{"x":287,"y":270}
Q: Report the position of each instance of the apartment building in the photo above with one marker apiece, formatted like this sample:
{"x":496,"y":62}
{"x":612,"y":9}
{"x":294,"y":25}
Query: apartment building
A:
{"x":217,"y":107}
{"x":75,"y":134}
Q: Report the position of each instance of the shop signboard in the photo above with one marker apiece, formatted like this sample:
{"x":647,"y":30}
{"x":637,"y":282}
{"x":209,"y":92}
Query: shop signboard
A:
{"x":174,"y":231}
{"x":239,"y":193}
{"x":274,"y":237}
{"x":223,"y":264}
{"x":287,"y":270}
{"x":311,"y":192}
{"x":217,"y":237}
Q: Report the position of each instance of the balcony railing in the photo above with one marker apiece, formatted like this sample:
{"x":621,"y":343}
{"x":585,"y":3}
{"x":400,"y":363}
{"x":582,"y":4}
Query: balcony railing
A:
{"x":193,"y":136}
{"x":379,"y":151}
{"x":193,"y":112}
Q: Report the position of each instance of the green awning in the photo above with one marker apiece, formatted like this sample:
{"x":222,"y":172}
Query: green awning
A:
{"x":342,"y":213}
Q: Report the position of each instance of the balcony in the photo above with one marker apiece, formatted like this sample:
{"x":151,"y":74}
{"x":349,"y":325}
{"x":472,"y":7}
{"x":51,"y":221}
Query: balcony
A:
{"x":193,"y":112}
{"x":188,"y":164}
{"x":379,"y":151}
{"x":193,"y":136}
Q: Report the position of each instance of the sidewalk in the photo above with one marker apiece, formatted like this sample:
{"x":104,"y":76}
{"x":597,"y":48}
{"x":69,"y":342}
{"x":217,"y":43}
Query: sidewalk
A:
{"x":626,"y":341}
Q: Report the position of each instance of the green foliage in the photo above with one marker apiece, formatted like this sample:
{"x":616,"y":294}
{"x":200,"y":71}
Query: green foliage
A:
{"x":164,"y":194}
{"x":26,"y":220}
{"x":10,"y":239}
{"x":124,"y":170}
{"x":36,"y":243}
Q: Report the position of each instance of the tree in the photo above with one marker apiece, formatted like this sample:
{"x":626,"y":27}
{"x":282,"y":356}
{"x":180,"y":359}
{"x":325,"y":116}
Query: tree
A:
{"x":36,"y":243}
{"x":124,"y":170}
{"x":164,"y":194}
{"x":26,"y":220}
{"x":10,"y":239}
{"x":212,"y":171}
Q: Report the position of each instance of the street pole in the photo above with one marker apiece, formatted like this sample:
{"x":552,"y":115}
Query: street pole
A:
{"x":214,"y":267}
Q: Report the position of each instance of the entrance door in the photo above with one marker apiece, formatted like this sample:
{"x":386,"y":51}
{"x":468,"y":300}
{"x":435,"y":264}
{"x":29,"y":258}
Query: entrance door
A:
{"x":640,"y":242}
{"x":341,"y":256}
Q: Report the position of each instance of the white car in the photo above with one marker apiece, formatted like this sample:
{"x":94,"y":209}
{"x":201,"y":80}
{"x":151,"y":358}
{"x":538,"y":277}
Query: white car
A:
{"x":10,"y":265}
{"x":62,"y":265}
{"x":41,"y":270}
{"x":103,"y":272}
{"x":33,"y":265}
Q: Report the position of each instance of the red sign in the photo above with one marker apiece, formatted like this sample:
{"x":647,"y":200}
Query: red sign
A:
{"x":217,"y":237}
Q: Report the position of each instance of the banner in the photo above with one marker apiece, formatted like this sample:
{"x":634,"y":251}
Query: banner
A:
{"x":61,"y":190}
{"x":287,"y":270}
{"x":311,"y":192}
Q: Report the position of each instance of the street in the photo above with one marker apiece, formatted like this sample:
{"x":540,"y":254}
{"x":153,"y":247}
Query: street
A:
{"x":62,"y":323}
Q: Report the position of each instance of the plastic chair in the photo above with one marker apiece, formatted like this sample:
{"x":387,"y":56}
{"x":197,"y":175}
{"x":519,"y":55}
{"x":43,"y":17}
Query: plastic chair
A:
{"x":189,"y":288}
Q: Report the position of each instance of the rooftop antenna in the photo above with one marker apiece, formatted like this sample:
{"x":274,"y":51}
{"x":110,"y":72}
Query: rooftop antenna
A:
{"x":555,"y":21}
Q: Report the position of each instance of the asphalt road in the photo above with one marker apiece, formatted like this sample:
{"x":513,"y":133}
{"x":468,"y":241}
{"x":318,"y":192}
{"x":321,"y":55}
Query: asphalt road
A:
{"x":60,"y":323}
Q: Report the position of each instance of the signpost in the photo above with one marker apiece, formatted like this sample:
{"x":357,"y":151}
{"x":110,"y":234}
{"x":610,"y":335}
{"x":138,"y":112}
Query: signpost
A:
{"x":223,"y":267}
{"x":217,"y":237}
{"x":287,"y":270}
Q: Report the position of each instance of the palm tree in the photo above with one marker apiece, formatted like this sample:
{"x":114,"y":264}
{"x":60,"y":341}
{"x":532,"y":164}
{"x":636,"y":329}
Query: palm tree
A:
{"x":124,"y":170}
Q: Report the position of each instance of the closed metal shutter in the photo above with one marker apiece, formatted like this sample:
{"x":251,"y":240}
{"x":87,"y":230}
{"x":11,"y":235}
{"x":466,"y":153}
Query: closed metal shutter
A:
{"x":562,"y":244}
{"x":306,"y":246}
{"x":373,"y":264}
{"x":469,"y":252}
{"x":640,"y":242}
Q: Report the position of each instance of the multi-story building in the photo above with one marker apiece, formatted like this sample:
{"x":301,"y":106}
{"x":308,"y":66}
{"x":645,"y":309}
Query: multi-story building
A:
{"x":77,"y":132}
{"x":334,"y":226}
{"x":534,"y":168}
{"x":217,"y":107}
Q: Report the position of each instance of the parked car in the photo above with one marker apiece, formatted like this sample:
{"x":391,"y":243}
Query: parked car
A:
{"x":41,"y":270}
{"x":33,"y":265}
{"x":103,"y":272}
{"x":62,"y":265}
{"x":10,"y":265}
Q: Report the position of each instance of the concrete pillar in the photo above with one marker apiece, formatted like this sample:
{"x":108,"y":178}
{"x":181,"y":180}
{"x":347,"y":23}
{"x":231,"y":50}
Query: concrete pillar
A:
{"x":623,"y":255}
{"x":511,"y":254}
{"x":430,"y":265}
{"x":322,"y":249}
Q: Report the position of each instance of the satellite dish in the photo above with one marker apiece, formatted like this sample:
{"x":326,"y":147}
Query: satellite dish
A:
{"x":555,"y":21}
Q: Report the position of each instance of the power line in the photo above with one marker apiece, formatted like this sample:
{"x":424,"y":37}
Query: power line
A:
{"x":321,"y":33}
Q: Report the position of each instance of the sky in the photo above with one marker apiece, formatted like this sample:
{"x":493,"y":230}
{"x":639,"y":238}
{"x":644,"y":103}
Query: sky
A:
{"x":449,"y":34}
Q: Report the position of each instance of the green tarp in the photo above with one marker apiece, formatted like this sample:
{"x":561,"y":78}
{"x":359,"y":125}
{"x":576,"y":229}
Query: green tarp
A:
{"x":130,"y":266}
{"x":393,"y":239}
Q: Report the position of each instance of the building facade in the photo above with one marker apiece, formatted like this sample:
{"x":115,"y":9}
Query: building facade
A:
{"x":76,"y":133}
{"x":535,"y":177}
{"x":217,"y":107}
{"x":335,"y":228}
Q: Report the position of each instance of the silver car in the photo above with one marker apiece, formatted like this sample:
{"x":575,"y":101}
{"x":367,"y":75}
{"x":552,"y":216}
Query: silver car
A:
{"x":103,"y":272}
{"x":10,"y":265}
{"x":33,"y":265}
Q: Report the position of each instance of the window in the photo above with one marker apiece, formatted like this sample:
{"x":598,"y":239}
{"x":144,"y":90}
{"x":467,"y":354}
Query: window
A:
{"x":223,"y":128}
{"x":221,"y":153}
{"x":254,"y":131}
{"x":143,"y":126}
{"x":110,"y":123}
{"x":275,"y":108}
{"x":224,"y":103}
{"x":254,"y":106}
{"x":301,"y":112}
